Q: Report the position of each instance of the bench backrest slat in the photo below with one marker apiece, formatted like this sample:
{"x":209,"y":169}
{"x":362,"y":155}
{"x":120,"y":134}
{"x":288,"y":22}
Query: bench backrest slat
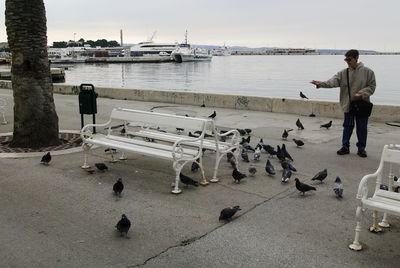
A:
{"x":159,"y":119}
{"x":391,"y":155}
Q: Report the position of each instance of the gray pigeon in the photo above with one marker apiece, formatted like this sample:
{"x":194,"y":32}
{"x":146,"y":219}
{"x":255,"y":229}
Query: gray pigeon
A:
{"x":286,"y":174}
{"x":303,"y":96}
{"x":285,"y":152}
{"x":286,"y":165}
{"x":320,"y":176}
{"x":46,"y":159}
{"x":252,"y":171}
{"x":338,"y":187}
{"x":187,"y":180}
{"x":269,"y":168}
{"x":229,"y":156}
{"x":118,"y":187}
{"x":245,"y":156}
{"x":227,"y":213}
{"x":237,"y":176}
{"x":123,"y":225}
{"x":257,"y":155}
{"x":327,"y":125}
{"x":299,"y":124}
{"x":299,"y":143}
{"x":269,"y":149}
{"x":285,"y":133}
{"x":302,"y":187}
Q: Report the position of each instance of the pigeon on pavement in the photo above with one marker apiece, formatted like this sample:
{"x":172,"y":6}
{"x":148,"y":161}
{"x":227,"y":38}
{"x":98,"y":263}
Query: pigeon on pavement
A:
{"x":46,"y":159}
{"x":302,"y":187}
{"x":101,"y":166}
{"x":338,"y":187}
{"x":257,"y":155}
{"x":188,"y":181}
{"x":252,"y":171}
{"x":327,"y":125}
{"x":285,"y":153}
{"x":269,"y":149}
{"x":118,"y":187}
{"x":299,"y":143}
{"x":245,"y":156}
{"x":123,"y":225}
{"x":320,"y":176}
{"x":237,"y":176}
{"x":269,"y":168}
{"x":299,"y":124}
{"x":286,"y":174}
{"x":227,"y":213}
{"x":195,"y":166}
{"x":285,"y":133}
{"x":286,"y":165}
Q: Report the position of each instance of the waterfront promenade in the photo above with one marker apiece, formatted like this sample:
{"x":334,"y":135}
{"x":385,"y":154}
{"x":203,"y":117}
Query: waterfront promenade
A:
{"x":61,"y":216}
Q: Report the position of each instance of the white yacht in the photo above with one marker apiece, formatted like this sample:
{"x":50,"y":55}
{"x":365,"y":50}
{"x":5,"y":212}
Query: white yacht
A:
{"x":150,"y":48}
{"x":185,"y":52}
{"x":221,"y":51}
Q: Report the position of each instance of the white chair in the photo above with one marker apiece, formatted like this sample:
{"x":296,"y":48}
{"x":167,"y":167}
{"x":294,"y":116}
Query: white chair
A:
{"x":387,"y":202}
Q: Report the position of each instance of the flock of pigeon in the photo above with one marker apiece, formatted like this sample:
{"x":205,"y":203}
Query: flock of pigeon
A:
{"x":281,"y":153}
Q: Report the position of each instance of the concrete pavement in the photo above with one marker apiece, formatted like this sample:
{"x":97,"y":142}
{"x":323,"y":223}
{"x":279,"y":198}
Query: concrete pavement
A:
{"x":61,"y":216}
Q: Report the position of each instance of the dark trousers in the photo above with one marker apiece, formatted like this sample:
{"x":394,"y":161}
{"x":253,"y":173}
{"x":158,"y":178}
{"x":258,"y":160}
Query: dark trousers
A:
{"x":361,"y":129}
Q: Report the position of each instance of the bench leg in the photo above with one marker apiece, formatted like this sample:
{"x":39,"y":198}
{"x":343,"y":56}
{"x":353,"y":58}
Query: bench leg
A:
{"x":122,"y":157}
{"x":375,"y":227}
{"x":178,"y":168}
{"x":85,"y":156}
{"x":218,"y":158}
{"x":384,"y":223}
{"x":356,"y":243}
{"x":203,"y":180}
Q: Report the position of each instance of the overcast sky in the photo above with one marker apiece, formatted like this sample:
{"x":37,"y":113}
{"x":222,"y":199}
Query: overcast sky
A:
{"x":340,"y":24}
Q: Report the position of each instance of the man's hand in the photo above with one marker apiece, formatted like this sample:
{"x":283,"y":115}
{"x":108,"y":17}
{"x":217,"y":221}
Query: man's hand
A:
{"x":358,"y":95}
{"x":314,"y":82}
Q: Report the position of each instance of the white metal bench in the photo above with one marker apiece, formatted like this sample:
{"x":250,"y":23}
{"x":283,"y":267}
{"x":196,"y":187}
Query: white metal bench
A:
{"x":178,"y":152}
{"x":384,"y":201}
{"x":214,"y":144}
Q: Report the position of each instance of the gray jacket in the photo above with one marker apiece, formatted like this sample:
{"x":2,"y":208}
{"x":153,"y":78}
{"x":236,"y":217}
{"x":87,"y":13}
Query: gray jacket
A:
{"x":362,"y":80}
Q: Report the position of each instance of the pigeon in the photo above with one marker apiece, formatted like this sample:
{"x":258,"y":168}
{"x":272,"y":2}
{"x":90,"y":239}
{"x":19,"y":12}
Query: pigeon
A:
{"x":384,"y":187}
{"x":237,"y":176}
{"x":222,"y":138}
{"x":192,"y":135}
{"x":213,"y":115}
{"x":338,"y":188}
{"x":101,"y":166}
{"x":299,"y":124}
{"x":195,"y":166}
{"x":245,"y":156}
{"x":257,"y":155}
{"x":188,"y":181}
{"x":242,"y":132}
{"x":269,"y":168}
{"x":248,"y":147}
{"x":227,"y":213}
{"x":248,"y":130}
{"x":395,"y":178}
{"x":285,"y":133}
{"x":303,"y":96}
{"x":229,"y":156}
{"x":46,"y":159}
{"x":320,"y":176}
{"x":302,"y":187}
{"x":118,"y":187}
{"x":260,"y":144}
{"x":233,"y":163}
{"x":252,"y":171}
{"x":179,"y":130}
{"x":203,"y":105}
{"x":327,"y":125}
{"x":280,"y":154}
{"x":246,"y":140}
{"x":286,"y":174}
{"x":123,"y":225}
{"x":286,"y":165}
{"x":299,"y":143}
{"x":269,"y":149}
{"x":90,"y":170}
{"x":285,"y":152}
{"x":123,"y":130}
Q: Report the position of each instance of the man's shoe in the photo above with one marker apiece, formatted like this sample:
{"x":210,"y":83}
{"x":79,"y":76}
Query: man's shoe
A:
{"x":362,"y":153}
{"x":344,"y":150}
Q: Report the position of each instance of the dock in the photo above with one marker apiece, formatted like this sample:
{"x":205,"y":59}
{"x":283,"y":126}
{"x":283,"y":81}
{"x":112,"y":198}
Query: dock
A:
{"x":57,"y":75}
{"x":144,"y":59}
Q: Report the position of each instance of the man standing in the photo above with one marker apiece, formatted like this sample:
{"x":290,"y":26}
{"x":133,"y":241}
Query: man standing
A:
{"x":362,"y":85}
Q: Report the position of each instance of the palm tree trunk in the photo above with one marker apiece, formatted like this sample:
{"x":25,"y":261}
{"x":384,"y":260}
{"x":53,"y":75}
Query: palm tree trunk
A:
{"x":35,"y":117}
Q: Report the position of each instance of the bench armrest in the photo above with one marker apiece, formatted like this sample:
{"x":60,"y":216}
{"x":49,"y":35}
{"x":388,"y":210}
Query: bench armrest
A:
{"x":363,"y":186}
{"x":87,"y":133}
{"x":177,"y":148}
{"x":235,"y":138}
